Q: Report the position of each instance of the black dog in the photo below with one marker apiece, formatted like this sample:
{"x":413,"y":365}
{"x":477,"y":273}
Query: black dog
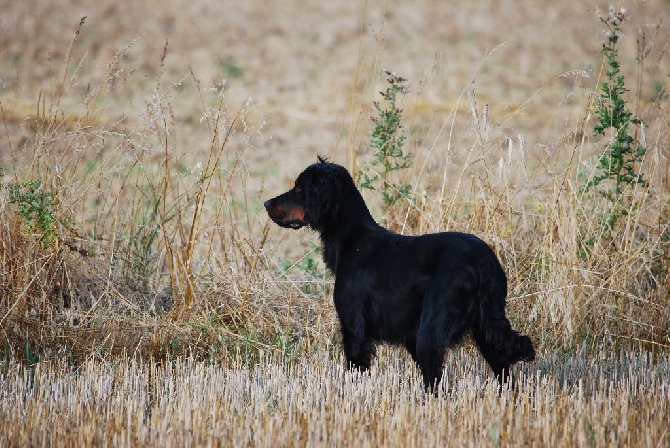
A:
{"x":423,"y":292}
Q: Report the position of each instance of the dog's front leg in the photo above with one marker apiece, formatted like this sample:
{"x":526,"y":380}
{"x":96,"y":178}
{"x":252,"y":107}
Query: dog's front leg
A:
{"x":358,"y":349}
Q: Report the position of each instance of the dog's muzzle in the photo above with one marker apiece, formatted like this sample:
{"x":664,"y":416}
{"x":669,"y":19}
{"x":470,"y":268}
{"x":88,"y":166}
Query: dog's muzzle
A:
{"x":290,"y":215}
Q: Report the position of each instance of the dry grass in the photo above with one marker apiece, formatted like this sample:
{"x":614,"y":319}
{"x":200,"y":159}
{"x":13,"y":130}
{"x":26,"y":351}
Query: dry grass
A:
{"x":147,"y":273}
{"x":594,"y":399}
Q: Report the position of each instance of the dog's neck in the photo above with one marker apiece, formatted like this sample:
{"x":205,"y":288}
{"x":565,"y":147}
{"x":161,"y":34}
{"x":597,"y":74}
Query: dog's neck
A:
{"x":352,"y":222}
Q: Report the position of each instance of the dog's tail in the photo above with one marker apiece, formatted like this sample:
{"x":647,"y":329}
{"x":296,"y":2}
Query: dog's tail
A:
{"x":519,"y":347}
{"x":499,"y":342}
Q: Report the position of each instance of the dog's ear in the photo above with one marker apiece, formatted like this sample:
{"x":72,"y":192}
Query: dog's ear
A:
{"x":324,"y":196}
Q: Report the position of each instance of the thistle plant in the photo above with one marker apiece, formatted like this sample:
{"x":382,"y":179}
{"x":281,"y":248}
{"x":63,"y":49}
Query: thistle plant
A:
{"x":36,"y":206}
{"x":387,"y":142}
{"x":619,"y":163}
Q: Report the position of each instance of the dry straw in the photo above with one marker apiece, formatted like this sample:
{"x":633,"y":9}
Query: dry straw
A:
{"x":594,"y":399}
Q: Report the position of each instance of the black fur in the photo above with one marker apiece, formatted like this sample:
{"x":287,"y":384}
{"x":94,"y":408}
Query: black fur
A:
{"x":423,"y":292}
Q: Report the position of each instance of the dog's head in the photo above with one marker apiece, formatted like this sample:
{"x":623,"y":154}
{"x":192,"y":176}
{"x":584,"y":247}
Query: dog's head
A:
{"x":316,"y":198}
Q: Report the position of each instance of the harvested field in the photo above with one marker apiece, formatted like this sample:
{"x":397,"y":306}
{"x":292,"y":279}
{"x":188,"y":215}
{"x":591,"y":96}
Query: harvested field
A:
{"x":588,"y":400}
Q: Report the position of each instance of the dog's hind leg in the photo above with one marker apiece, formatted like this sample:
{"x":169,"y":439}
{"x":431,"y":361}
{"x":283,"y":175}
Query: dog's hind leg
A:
{"x":495,"y":359}
{"x":500,"y":345}
{"x":430,"y":350}
{"x":498,"y":342}
{"x":445,"y":319}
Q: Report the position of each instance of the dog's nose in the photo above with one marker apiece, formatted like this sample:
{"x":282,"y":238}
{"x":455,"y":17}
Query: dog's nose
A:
{"x":267,"y":203}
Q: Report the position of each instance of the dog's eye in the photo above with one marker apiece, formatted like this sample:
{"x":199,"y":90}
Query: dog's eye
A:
{"x":297,"y":189}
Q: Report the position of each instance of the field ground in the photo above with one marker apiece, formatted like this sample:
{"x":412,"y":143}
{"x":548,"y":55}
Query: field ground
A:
{"x":594,"y":399}
{"x":145,"y":298}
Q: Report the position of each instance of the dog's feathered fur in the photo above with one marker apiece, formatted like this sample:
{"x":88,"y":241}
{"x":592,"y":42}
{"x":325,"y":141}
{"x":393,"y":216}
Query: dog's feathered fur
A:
{"x":423,"y":292}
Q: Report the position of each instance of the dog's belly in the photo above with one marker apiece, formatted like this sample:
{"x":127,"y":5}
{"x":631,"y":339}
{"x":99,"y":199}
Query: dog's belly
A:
{"x":395,"y":318}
